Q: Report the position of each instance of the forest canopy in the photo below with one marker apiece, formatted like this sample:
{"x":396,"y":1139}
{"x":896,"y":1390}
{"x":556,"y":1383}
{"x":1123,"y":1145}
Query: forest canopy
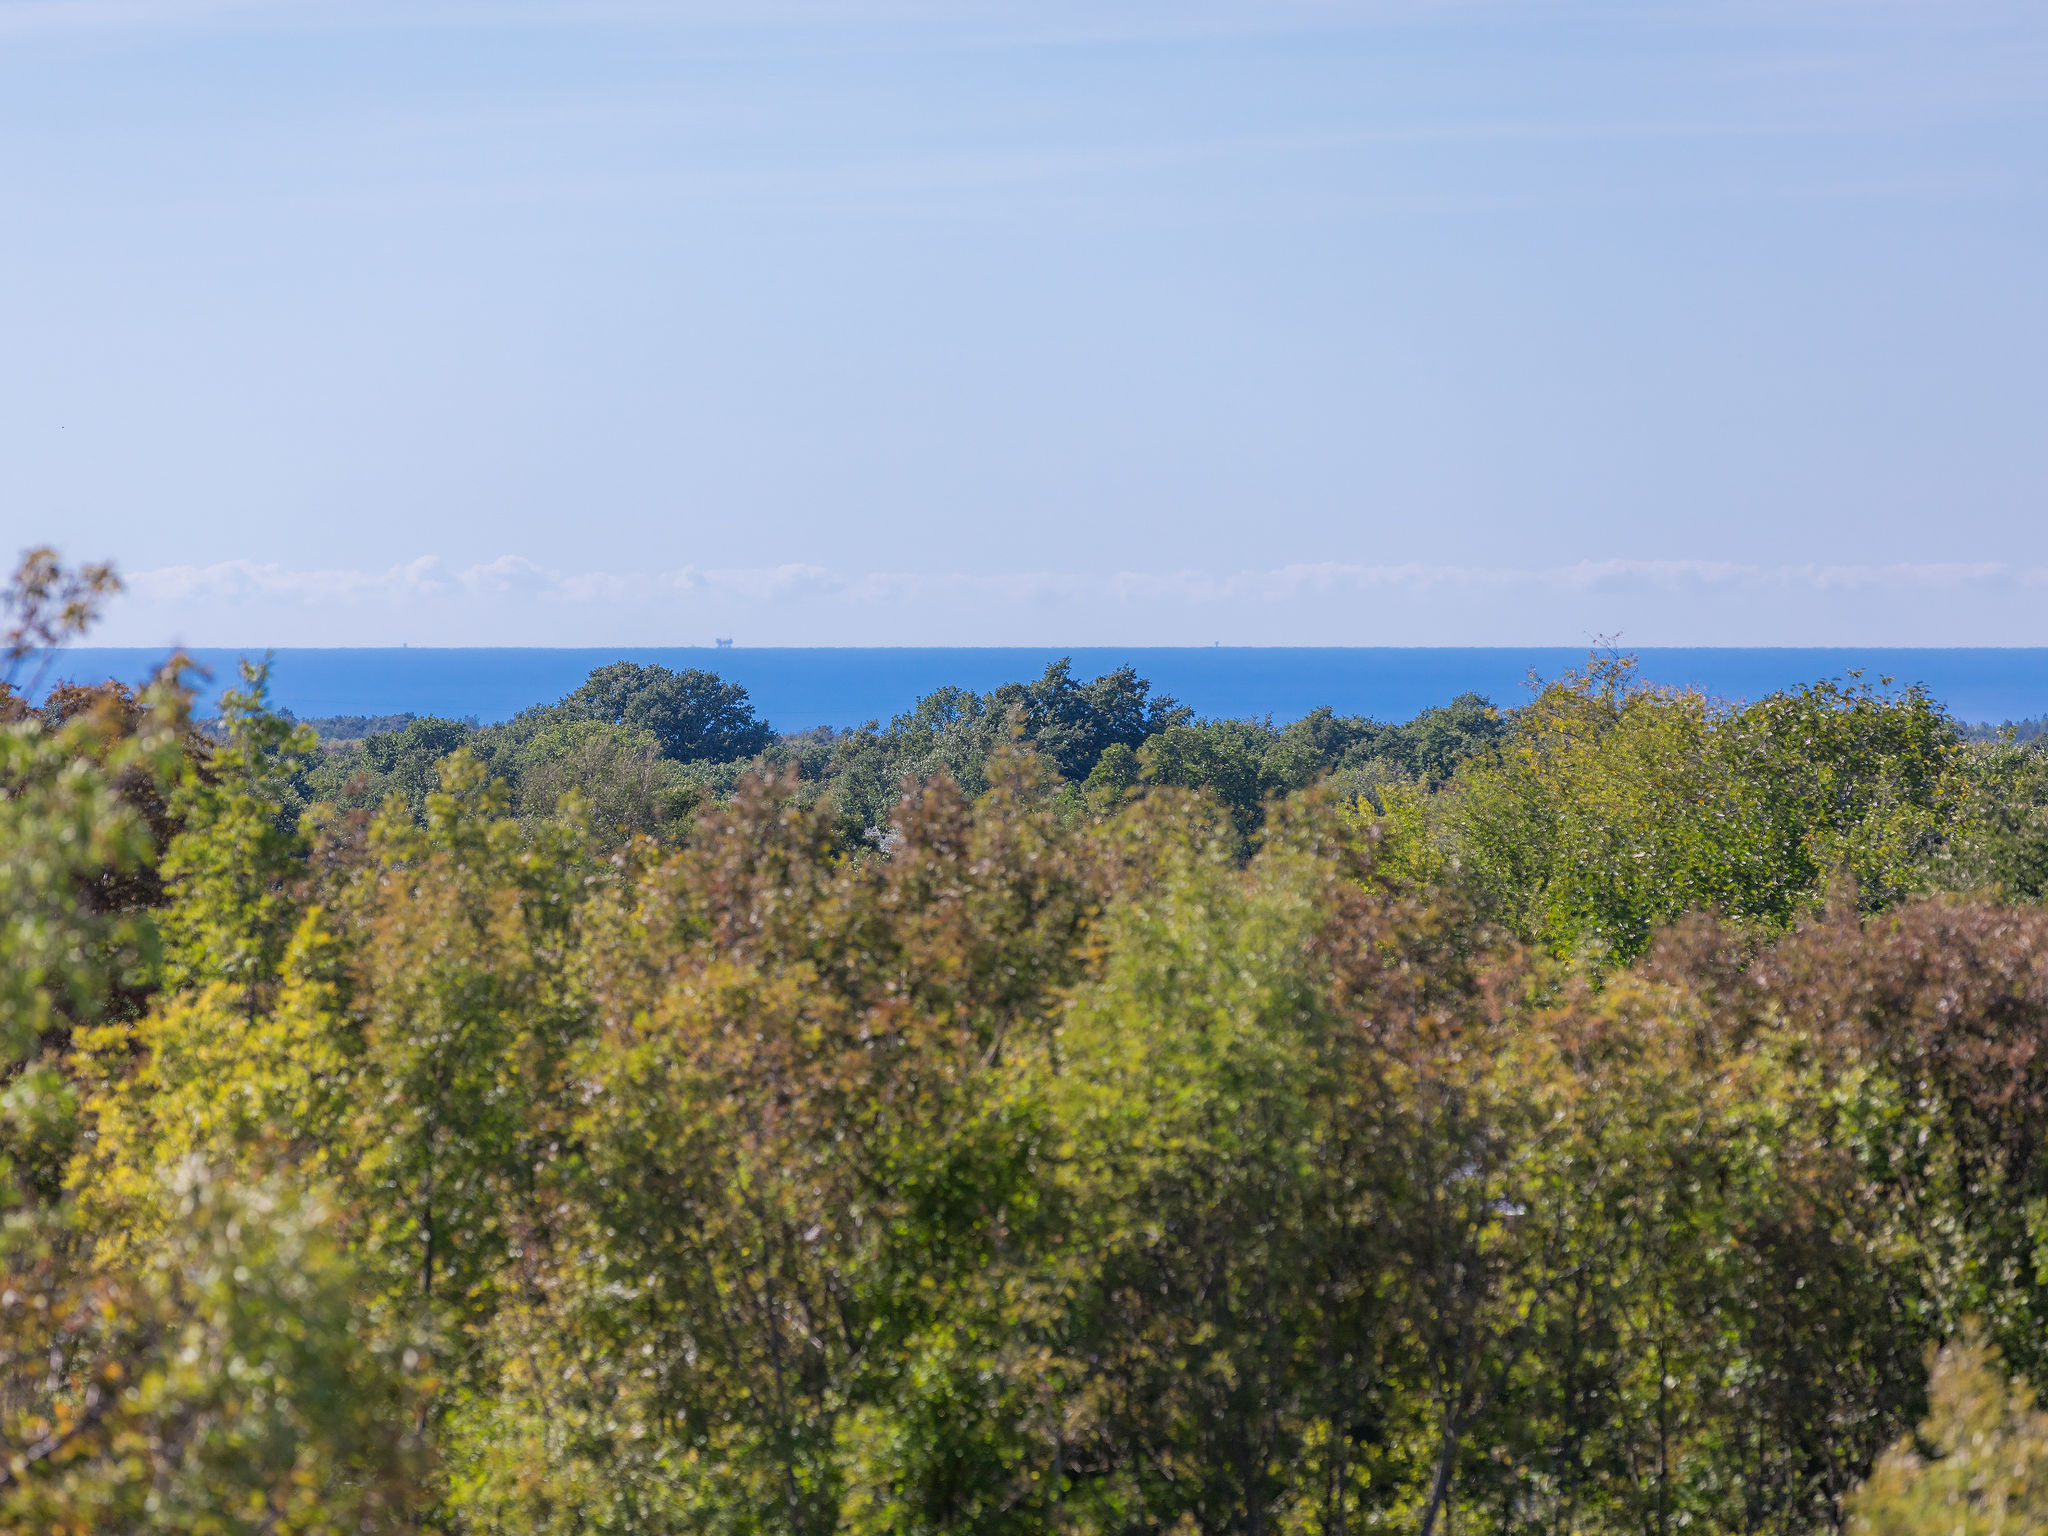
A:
{"x":1047,"y":1111}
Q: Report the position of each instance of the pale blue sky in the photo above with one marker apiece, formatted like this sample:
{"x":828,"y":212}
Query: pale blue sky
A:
{"x":1699,"y":322}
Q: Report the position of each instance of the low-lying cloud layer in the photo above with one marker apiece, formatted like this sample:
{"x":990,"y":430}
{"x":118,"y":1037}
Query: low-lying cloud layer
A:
{"x":515,"y":601}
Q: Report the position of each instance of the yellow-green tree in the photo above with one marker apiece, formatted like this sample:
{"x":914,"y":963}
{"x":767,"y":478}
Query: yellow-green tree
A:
{"x":1614,"y":809}
{"x":1978,"y":1465}
{"x":219,"y":1367}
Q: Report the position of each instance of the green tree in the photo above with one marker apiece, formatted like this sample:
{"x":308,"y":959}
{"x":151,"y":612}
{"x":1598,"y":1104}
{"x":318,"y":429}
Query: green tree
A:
{"x":623,"y":786}
{"x":215,"y":1367}
{"x":362,"y":775}
{"x":791,"y":1151}
{"x":48,"y":604}
{"x":1615,"y":809}
{"x":693,"y":714}
{"x":235,"y":868}
{"x":233,"y":1377}
{"x":459,"y":934}
{"x":1222,"y":757}
{"x":1073,"y":723}
{"x":71,"y":944}
{"x":1978,"y":1465}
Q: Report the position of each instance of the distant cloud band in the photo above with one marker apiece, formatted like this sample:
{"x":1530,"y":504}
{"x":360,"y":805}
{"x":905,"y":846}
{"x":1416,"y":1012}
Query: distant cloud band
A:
{"x":428,"y":579}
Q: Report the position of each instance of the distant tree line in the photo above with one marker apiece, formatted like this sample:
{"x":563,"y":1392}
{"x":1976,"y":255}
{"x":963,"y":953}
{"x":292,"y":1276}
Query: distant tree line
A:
{"x":2032,"y":729}
{"x":648,"y":749}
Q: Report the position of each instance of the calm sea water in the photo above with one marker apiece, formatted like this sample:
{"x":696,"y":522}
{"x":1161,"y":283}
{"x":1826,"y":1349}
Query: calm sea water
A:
{"x":797,"y":689}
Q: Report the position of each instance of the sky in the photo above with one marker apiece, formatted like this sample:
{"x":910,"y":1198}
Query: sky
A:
{"x":1074,"y":322}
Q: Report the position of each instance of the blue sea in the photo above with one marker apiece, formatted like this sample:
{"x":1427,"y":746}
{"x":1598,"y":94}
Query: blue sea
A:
{"x":799,"y":689}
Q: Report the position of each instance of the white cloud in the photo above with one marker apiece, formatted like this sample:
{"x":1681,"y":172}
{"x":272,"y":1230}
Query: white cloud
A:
{"x":757,"y":583}
{"x":513,"y":576}
{"x":1287,"y":583}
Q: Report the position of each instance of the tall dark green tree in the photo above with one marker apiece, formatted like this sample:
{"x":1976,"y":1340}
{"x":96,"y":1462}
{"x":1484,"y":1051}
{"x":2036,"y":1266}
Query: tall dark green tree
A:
{"x":695,"y":715}
{"x":1072,"y":723}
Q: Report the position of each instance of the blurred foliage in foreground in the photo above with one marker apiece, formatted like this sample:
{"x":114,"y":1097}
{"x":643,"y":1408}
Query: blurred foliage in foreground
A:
{"x":1048,"y":1113}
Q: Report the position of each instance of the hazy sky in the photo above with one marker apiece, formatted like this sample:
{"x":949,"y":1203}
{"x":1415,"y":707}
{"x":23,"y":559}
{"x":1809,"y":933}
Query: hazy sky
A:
{"x":1255,"y":321}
